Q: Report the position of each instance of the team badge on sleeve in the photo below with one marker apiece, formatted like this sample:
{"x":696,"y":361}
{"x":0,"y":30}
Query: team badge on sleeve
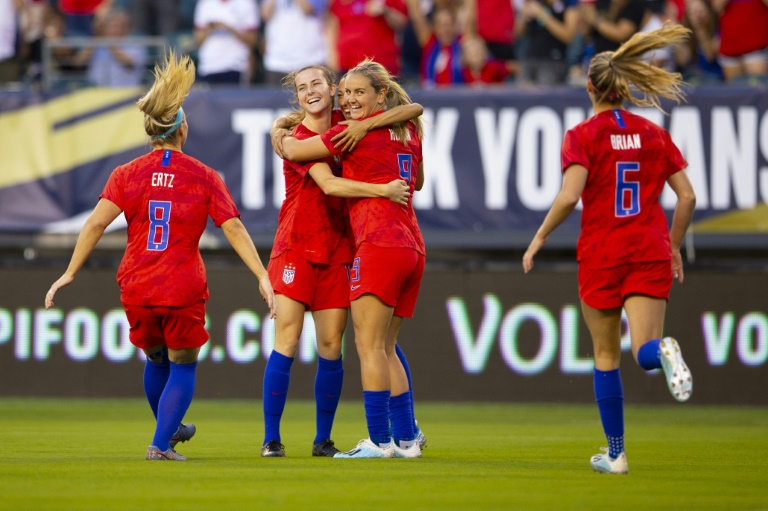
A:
{"x":288,"y":273}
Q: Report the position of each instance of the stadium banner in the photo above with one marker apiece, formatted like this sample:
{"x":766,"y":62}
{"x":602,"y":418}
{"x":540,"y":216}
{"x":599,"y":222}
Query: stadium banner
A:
{"x":476,"y":336}
{"x":492,"y":162}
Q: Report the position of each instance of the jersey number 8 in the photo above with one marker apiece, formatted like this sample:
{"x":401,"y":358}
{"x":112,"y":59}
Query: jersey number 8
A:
{"x":159,"y":217}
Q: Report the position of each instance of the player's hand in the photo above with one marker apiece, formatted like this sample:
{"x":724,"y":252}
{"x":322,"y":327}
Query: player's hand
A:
{"x":533,"y":249}
{"x":63,"y":281}
{"x":677,"y":266}
{"x":348,"y":139}
{"x":276,"y":135}
{"x":398,"y":192}
{"x":268,"y":294}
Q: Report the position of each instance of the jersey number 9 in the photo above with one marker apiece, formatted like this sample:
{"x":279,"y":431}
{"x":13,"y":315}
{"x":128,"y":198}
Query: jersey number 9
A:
{"x":405,"y":164}
{"x":159,"y":217}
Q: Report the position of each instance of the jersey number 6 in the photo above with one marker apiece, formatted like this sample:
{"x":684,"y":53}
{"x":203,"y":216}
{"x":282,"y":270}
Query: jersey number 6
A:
{"x":627,"y":190}
{"x":159,"y":216}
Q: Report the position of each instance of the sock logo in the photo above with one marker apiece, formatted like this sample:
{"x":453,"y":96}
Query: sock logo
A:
{"x":288,"y":273}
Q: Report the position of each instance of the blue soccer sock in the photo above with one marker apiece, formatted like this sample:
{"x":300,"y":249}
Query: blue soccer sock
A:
{"x":174,"y":402}
{"x":328,"y":382}
{"x":277,"y":378}
{"x":377,"y":415}
{"x":407,"y":368}
{"x":156,"y":372}
{"x":402,"y":420}
{"x":649,"y":356}
{"x":610,"y":401}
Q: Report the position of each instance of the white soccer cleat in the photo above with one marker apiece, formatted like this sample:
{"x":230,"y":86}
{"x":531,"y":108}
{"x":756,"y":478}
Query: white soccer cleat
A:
{"x":679,"y":378}
{"x":603,"y":464}
{"x":412,"y":451}
{"x":154,"y":453}
{"x":367,"y":449}
{"x":421,"y":439}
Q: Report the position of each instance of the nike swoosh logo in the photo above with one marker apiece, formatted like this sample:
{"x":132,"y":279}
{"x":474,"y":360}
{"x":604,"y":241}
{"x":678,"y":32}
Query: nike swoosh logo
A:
{"x":355,"y":287}
{"x":330,"y":396}
{"x":278,"y":393}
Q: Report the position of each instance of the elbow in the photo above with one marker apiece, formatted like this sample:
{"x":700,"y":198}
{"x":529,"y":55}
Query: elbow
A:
{"x":419,"y":109}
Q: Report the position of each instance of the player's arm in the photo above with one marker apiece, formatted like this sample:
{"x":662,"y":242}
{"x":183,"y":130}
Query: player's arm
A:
{"x":241,"y":241}
{"x":280,"y":128}
{"x":356,"y":130}
{"x":681,"y":219}
{"x":103,"y":214}
{"x":420,"y":178}
{"x":307,"y":149}
{"x":396,"y":190}
{"x":574,"y":180}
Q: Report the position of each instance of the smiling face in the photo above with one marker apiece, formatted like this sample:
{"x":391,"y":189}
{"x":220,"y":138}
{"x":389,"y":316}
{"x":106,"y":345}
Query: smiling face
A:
{"x":313,"y":92}
{"x":342,"y":97}
{"x":362,"y":99}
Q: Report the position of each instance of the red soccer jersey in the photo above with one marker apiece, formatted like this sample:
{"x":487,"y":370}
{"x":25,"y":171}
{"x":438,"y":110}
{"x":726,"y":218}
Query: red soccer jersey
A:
{"x":167,"y":197}
{"x":361,"y":35}
{"x":629,"y":159}
{"x":311,"y":223}
{"x":380,"y":158}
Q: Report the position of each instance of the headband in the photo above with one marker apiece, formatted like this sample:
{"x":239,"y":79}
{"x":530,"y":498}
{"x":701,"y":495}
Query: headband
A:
{"x":612,"y":96}
{"x":174,"y":126}
{"x":374,"y":75}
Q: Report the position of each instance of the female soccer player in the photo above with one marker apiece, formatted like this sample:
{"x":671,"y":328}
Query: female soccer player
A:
{"x":618,"y":163}
{"x":389,"y":260}
{"x":309,"y":263}
{"x":167,"y":198}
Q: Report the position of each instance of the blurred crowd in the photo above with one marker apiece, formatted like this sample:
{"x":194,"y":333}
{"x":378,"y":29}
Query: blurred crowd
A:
{"x":431,"y":43}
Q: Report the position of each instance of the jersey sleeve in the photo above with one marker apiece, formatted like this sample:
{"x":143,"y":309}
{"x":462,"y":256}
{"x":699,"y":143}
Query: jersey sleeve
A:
{"x":114,"y":189}
{"x":675,"y":158}
{"x":573,"y":152}
{"x":328,"y":135}
{"x":221,"y":206}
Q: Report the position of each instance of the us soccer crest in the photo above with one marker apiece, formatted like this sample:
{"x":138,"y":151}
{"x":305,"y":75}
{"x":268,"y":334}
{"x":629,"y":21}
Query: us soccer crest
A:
{"x":288,"y":273}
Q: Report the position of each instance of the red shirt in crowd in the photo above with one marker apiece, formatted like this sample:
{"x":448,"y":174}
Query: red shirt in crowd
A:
{"x":380,"y":158}
{"x":361,"y":35}
{"x":496,"y":21}
{"x":312,"y":224}
{"x":79,"y":6}
{"x":629,"y":159}
{"x":167,"y":197}
{"x":743,"y":27}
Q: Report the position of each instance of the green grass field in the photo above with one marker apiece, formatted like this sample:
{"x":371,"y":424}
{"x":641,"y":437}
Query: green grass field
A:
{"x":88,"y":454}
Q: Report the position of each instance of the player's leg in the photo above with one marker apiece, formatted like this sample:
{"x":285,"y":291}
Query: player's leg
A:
{"x":277,"y":374}
{"x":156,"y":372}
{"x":605,"y":328}
{"x":400,"y":405}
{"x":174,"y":402}
{"x":329,"y":329}
{"x":371,"y":318}
{"x":646,"y":323}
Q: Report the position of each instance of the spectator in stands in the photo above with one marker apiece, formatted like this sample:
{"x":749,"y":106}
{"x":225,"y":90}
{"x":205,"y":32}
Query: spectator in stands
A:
{"x":155,"y":17}
{"x":743,"y":38}
{"x":9,"y":64}
{"x":226,"y":31}
{"x":698,"y":59}
{"x":479,"y":67}
{"x":115,"y":65}
{"x":80,"y":15}
{"x":612,"y":22}
{"x":34,"y":16}
{"x":549,"y":26}
{"x":366,"y":28}
{"x":657,"y":13}
{"x":440,"y":43}
{"x":494,"y":22}
{"x":294,"y":36}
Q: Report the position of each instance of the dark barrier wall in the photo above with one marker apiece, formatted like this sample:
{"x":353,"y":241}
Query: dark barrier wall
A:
{"x":477,"y":335}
